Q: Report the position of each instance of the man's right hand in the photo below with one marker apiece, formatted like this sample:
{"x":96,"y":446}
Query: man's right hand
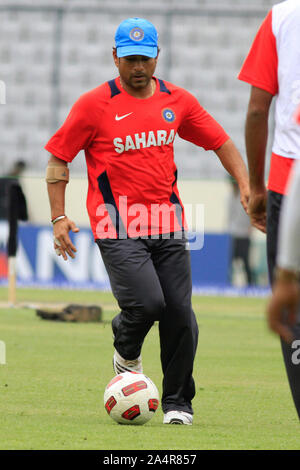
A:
{"x":257,"y":210}
{"x":62,"y":242}
{"x":283,"y":307}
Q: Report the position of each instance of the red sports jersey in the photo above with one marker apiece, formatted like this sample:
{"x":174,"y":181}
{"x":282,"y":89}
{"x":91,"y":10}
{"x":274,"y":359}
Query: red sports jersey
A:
{"x":260,"y":70}
{"x":260,"y":66}
{"x":128,"y":144}
{"x":273,"y":65}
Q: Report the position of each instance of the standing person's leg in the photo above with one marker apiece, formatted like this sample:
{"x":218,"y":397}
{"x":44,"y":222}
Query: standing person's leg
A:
{"x":244,"y":254}
{"x":232,"y":259}
{"x":137,"y":289}
{"x":273,"y":213}
{"x":178,"y":327}
{"x":292,"y":366}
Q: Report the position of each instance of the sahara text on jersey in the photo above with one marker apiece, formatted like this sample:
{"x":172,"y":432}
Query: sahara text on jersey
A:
{"x":144,"y":140}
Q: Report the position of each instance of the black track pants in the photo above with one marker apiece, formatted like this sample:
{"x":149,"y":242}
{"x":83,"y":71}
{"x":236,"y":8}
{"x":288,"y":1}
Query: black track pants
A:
{"x":291,"y":358}
{"x":151,"y":280}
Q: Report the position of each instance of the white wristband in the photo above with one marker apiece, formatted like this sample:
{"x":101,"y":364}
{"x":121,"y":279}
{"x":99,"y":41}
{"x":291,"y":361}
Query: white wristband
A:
{"x":60,"y":217}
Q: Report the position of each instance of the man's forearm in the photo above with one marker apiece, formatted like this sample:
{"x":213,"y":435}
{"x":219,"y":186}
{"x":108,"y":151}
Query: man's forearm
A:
{"x":256,"y":135}
{"x":56,"y":193}
{"x":232,"y":161}
{"x":56,"y":190}
{"x":256,"y":142}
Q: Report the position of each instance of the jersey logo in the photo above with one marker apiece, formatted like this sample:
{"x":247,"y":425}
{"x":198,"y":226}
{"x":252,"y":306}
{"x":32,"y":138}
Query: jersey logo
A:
{"x":168,"y":115}
{"x":118,"y":118}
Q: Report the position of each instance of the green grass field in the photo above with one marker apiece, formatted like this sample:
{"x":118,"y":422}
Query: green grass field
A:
{"x":51,"y":388}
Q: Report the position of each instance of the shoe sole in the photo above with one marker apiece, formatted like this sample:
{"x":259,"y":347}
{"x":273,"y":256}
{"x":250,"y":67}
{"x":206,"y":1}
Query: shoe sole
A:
{"x":175,"y":421}
{"x":178,"y":421}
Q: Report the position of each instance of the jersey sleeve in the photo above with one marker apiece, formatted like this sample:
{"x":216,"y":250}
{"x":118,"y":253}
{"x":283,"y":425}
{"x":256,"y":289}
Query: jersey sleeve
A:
{"x":199,"y":127}
{"x":75,"y":134}
{"x":260,"y":68}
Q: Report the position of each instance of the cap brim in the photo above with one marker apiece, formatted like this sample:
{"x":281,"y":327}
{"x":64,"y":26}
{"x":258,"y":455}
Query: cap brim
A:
{"x":147,"y":51}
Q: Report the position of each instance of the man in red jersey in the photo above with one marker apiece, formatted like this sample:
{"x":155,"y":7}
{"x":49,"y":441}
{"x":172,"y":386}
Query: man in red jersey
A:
{"x":272,"y":67}
{"x":127,"y":127}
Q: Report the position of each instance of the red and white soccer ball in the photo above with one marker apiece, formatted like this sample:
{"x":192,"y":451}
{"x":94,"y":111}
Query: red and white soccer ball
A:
{"x":131,"y":398}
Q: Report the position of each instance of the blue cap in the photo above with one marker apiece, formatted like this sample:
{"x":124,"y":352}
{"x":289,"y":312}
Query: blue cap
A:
{"x":136,"y":36}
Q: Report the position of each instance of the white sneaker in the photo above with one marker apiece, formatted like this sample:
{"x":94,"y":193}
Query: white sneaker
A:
{"x":121,"y":365}
{"x":178,"y":417}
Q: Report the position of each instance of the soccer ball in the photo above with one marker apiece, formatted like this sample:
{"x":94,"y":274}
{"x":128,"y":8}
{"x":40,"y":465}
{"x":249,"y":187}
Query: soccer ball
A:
{"x":131,"y":398}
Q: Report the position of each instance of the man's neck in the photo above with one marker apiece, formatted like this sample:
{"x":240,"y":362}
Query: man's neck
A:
{"x":141,"y":93}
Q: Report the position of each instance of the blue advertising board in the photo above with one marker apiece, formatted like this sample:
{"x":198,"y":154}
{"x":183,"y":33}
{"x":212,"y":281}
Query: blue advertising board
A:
{"x":38,"y":264}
